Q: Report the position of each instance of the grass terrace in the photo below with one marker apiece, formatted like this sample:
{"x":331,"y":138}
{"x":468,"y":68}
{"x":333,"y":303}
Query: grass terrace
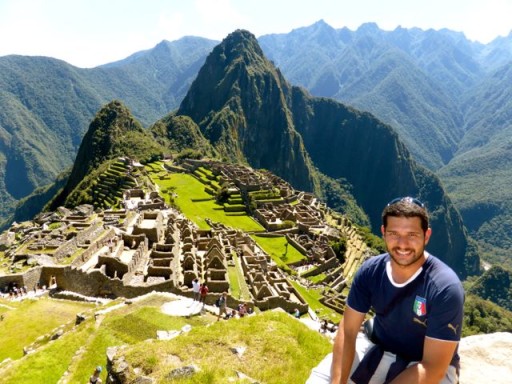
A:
{"x":272,"y":340}
{"x":238,"y":285}
{"x":35,"y":317}
{"x":277,"y":249}
{"x":313,"y":296}
{"x":197,"y":205}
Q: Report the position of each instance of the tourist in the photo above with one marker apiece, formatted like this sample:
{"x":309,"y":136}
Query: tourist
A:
{"x":296,"y":313}
{"x":230,"y":315}
{"x":324,"y":327}
{"x":242,"y":309}
{"x":195,"y":289}
{"x":95,"y":377}
{"x":203,"y":291}
{"x":222,"y":305}
{"x":418,"y":302}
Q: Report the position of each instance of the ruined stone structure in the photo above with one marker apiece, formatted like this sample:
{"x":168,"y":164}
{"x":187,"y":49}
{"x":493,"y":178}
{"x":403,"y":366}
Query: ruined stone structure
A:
{"x":150,"y":247}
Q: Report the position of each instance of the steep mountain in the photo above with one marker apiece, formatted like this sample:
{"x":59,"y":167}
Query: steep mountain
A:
{"x":238,"y":101}
{"x":42,"y":101}
{"x":479,"y":176}
{"x":113,"y":133}
{"x":48,"y":104}
{"x":249,"y":112}
{"x":447,"y":97}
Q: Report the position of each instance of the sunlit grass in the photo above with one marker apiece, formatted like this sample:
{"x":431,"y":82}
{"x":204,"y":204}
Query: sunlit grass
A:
{"x":312,"y":297}
{"x":281,"y":253}
{"x":48,"y":364}
{"x":30,"y":319}
{"x":273,"y":340}
{"x":197,"y":205}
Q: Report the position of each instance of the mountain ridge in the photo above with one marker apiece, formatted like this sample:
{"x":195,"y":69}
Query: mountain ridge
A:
{"x":156,"y":105}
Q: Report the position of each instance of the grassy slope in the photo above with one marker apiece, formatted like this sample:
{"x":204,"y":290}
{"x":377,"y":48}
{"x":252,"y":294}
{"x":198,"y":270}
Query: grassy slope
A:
{"x":189,"y":191}
{"x":274,"y":340}
{"x":35,"y":318}
{"x":276,"y":248}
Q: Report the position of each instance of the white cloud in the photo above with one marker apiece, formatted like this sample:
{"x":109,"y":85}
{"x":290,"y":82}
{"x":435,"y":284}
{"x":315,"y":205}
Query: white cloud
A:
{"x":94,"y":32}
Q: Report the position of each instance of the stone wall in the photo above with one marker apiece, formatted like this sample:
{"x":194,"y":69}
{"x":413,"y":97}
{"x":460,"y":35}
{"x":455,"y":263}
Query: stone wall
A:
{"x":333,"y":262}
{"x":95,"y":283}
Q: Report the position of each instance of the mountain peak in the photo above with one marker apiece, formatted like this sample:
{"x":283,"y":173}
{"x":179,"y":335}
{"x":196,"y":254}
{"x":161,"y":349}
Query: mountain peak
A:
{"x":368,"y":28}
{"x":113,"y":132}
{"x":238,"y":100}
{"x":239,"y":42}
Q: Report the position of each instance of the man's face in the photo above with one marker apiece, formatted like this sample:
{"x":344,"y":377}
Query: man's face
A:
{"x":405,"y":240}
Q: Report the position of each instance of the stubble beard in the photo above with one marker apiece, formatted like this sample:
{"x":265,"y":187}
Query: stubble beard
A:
{"x":406,"y":263}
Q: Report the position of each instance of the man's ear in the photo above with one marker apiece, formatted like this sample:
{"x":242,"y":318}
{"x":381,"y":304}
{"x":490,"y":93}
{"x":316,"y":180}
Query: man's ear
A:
{"x":428,"y":233}
{"x":382,"y":230}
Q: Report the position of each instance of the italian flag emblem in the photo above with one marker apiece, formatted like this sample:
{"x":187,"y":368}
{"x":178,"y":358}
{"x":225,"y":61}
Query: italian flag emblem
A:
{"x":420,"y":306}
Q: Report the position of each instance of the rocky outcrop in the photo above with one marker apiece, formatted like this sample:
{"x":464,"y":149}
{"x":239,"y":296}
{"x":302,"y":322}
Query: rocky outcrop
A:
{"x":486,"y":358}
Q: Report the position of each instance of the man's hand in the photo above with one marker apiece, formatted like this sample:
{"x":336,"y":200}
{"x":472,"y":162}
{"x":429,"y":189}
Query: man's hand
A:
{"x":437,"y":355}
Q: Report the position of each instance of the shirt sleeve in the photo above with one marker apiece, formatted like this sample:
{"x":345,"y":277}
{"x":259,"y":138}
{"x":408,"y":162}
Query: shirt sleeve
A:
{"x":446,"y":314}
{"x":359,"y":297}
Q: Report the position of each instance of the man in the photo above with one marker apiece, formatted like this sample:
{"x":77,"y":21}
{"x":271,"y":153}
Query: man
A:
{"x":196,"y":286}
{"x":223,"y":305}
{"x":95,"y":378}
{"x":418,"y":305}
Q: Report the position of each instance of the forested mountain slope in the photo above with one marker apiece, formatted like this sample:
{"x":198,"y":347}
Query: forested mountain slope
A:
{"x":48,"y":104}
{"x":447,"y":97}
{"x":249,"y":112}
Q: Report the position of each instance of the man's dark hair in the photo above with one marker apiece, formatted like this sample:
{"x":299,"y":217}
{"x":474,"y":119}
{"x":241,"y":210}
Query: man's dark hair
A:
{"x":406,"y":207}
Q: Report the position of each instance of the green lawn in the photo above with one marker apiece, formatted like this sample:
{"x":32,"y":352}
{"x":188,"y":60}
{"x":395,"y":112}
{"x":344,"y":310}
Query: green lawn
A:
{"x":277,"y":249}
{"x":313,"y":297}
{"x":25,"y":321}
{"x":191,"y":200}
{"x":239,"y":288}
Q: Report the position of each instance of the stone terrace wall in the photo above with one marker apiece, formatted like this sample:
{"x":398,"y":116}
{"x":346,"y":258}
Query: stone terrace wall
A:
{"x":95,"y":283}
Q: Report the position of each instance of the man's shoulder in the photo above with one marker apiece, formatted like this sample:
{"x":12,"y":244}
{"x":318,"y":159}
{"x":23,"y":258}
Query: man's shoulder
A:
{"x":443,"y":280}
{"x":378,"y":261}
{"x":441,"y":272}
{"x":373,"y":267}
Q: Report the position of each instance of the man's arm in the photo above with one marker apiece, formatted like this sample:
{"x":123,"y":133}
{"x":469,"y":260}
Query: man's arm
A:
{"x":345,"y":345}
{"x":437,"y":355}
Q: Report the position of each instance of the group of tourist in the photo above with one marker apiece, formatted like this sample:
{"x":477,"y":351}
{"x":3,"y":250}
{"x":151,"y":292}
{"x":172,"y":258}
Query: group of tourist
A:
{"x":13,"y":291}
{"x":200,"y":291}
{"x":242,"y":310}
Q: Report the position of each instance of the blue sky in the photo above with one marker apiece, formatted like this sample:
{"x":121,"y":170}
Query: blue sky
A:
{"x":87,"y":33}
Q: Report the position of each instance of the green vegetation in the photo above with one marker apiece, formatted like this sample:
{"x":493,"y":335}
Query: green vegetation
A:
{"x":242,"y":290}
{"x":182,"y":135}
{"x":339,"y":247}
{"x":282,"y":252}
{"x":483,"y":316}
{"x":197,"y":205}
{"x":25,"y":321}
{"x":494,"y":285}
{"x":317,"y":278}
{"x":374,"y":242}
{"x":312,"y":297}
{"x":271,"y":338}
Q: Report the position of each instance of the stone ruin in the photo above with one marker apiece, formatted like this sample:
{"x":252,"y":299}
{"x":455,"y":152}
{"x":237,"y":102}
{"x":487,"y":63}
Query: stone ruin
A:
{"x":148,"y":246}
